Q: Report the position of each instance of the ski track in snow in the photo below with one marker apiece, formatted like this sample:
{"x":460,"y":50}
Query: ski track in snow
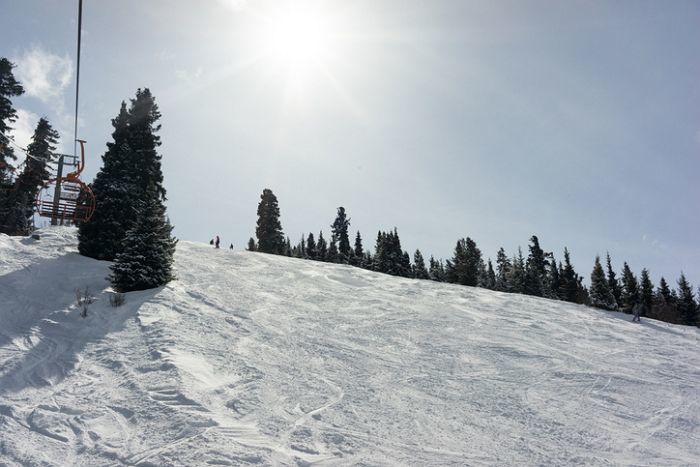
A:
{"x":255,"y":359}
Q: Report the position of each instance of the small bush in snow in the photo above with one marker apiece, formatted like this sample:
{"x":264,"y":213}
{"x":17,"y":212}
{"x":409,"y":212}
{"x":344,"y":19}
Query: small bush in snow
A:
{"x":84,"y":299}
{"x":116,"y":299}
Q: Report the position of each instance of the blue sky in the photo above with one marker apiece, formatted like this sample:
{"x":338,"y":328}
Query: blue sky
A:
{"x":575,"y":121}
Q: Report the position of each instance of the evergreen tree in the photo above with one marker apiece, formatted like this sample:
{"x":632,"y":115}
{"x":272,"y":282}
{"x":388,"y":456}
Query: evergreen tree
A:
{"x":582,"y":296}
{"x":664,"y":290}
{"x":465,"y":263}
{"x":419,"y":269}
{"x":358,"y":252}
{"x":287,"y":247}
{"x":687,"y":307}
{"x":536,"y":272}
{"x":503,"y":270}
{"x":302,"y":247}
{"x":600,"y":294}
{"x":614,"y":284}
{"x":21,"y":201}
{"x":321,"y":248}
{"x":333,"y":255}
{"x":269,"y":229}
{"x":131,"y":172}
{"x":437,"y":270}
{"x":251,"y":245}
{"x":630,"y":289}
{"x":516,"y":279}
{"x":569,"y":287}
{"x":339,"y":229}
{"x":311,"y":247}
{"x":646,"y":293}
{"x":146,"y":259}
{"x":490,"y":282}
{"x":554,"y":281}
{"x":406,"y":269}
{"x":9,"y":87}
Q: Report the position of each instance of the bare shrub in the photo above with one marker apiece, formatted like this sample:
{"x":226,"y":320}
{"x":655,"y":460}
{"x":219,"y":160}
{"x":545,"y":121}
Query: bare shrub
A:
{"x":116,"y":299}
{"x":84,"y":299}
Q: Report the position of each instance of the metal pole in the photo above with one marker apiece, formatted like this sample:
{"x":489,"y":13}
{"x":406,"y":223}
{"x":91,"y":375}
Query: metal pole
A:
{"x":57,"y":191}
{"x":77,"y":78}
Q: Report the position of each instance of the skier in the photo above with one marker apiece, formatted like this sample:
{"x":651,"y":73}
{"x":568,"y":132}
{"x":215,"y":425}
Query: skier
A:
{"x":216,"y":244}
{"x":637,"y":310}
{"x":231,"y":247}
{"x":211,"y":242}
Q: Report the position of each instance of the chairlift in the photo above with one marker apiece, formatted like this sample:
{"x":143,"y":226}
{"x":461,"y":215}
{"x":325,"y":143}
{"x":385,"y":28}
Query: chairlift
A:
{"x":67,"y":199}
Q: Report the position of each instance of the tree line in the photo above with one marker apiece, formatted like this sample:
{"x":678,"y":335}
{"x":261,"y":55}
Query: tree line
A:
{"x":538,"y":274}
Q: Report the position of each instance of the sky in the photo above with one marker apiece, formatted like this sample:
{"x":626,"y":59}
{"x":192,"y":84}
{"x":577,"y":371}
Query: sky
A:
{"x":577,"y":121}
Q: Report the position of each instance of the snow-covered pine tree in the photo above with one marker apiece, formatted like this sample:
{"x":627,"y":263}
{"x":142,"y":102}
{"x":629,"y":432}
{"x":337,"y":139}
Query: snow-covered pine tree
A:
{"x":419,"y":269}
{"x":131,"y":172}
{"x":600,"y":294}
{"x":9,"y":87}
{"x":269,"y":229}
{"x":21,"y":200}
{"x":646,"y":292}
{"x":146,"y":259}
{"x":339,"y":230}
{"x":686,"y":304}
{"x":630,"y":289}
{"x":613,"y":283}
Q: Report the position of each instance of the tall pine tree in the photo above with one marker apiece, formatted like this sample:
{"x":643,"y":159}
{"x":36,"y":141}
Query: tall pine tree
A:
{"x":646,"y":292}
{"x":269,"y":229}
{"x":686,"y":304}
{"x":613,"y":283}
{"x":131,"y":173}
{"x":569,"y":289}
{"x":600,"y":294}
{"x":9,"y":88}
{"x":21,"y":200}
{"x":630,"y":289}
{"x":339,"y":229}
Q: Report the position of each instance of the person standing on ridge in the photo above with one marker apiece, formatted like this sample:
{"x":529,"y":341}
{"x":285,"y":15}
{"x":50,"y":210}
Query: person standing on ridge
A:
{"x":216,"y":244}
{"x":637,"y":310}
{"x":231,"y":247}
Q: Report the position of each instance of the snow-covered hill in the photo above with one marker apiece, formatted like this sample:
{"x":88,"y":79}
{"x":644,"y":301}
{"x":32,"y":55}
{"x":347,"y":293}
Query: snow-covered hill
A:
{"x":257,"y":359}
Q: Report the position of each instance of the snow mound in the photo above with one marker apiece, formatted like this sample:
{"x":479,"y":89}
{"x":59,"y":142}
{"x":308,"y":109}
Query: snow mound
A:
{"x":255,"y":359}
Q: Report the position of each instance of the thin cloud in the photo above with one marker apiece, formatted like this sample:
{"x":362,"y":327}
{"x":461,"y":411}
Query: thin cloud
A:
{"x":23,"y":128}
{"x":44,"y":75}
{"x":189,"y":76}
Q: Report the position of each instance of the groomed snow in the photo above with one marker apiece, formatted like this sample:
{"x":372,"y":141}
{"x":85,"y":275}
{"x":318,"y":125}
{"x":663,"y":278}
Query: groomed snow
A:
{"x":255,"y":359}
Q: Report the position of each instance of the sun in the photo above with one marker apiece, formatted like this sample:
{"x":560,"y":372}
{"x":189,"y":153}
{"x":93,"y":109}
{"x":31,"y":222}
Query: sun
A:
{"x":297,"y":41}
{"x":298,"y":38}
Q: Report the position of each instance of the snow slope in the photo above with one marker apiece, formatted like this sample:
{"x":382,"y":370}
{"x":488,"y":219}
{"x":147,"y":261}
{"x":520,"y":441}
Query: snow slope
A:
{"x":257,"y":359}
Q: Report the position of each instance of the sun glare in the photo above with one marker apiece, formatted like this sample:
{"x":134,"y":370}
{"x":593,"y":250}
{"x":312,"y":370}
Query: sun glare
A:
{"x":297,"y":41}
